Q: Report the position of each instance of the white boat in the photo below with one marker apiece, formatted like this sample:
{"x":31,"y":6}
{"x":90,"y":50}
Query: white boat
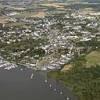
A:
{"x":61,"y":92}
{"x":46,"y":81}
{"x":31,"y":76}
{"x":67,"y":98}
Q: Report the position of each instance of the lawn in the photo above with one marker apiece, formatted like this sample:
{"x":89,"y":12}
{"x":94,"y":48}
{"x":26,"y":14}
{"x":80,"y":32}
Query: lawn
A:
{"x":93,"y":58}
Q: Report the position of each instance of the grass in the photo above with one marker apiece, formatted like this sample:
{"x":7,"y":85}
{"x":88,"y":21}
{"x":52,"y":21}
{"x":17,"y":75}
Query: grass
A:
{"x":83,"y":81}
{"x":93,"y":58}
{"x":66,"y":67}
{"x":33,"y":14}
{"x":16,"y":24}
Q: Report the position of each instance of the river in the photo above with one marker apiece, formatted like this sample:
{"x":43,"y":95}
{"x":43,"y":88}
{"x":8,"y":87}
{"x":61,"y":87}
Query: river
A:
{"x":21,"y":84}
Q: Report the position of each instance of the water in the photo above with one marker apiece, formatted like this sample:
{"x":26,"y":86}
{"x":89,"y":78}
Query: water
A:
{"x":18,"y":84}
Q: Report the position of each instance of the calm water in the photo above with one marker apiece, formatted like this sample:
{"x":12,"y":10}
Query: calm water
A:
{"x":17,"y":85}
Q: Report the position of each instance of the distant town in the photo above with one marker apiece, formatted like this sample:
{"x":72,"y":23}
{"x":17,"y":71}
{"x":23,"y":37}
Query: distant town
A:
{"x":49,"y":45}
{"x":47,"y":36}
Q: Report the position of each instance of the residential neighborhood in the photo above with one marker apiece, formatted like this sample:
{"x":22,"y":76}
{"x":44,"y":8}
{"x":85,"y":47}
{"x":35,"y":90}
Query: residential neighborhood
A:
{"x":49,"y":49}
{"x":55,"y":37}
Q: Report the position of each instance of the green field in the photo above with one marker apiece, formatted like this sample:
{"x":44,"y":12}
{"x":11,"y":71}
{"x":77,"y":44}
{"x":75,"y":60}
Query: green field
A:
{"x":82,"y":80}
{"x":93,"y":58}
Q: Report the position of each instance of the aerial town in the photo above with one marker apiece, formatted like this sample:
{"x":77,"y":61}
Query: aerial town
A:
{"x":50,"y":49}
{"x":46,"y":37}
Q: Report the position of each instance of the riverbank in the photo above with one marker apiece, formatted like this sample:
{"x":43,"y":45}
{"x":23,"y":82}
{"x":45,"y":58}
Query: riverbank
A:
{"x":82,"y":80}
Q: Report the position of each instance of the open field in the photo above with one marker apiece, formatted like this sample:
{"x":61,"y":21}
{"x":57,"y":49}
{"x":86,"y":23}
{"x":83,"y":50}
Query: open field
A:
{"x":39,"y":14}
{"x":93,"y":58}
{"x":26,"y":14}
{"x":55,"y":5}
{"x":3,"y":19}
{"x":66,"y":68}
{"x":83,"y":81}
{"x":18,"y":24}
